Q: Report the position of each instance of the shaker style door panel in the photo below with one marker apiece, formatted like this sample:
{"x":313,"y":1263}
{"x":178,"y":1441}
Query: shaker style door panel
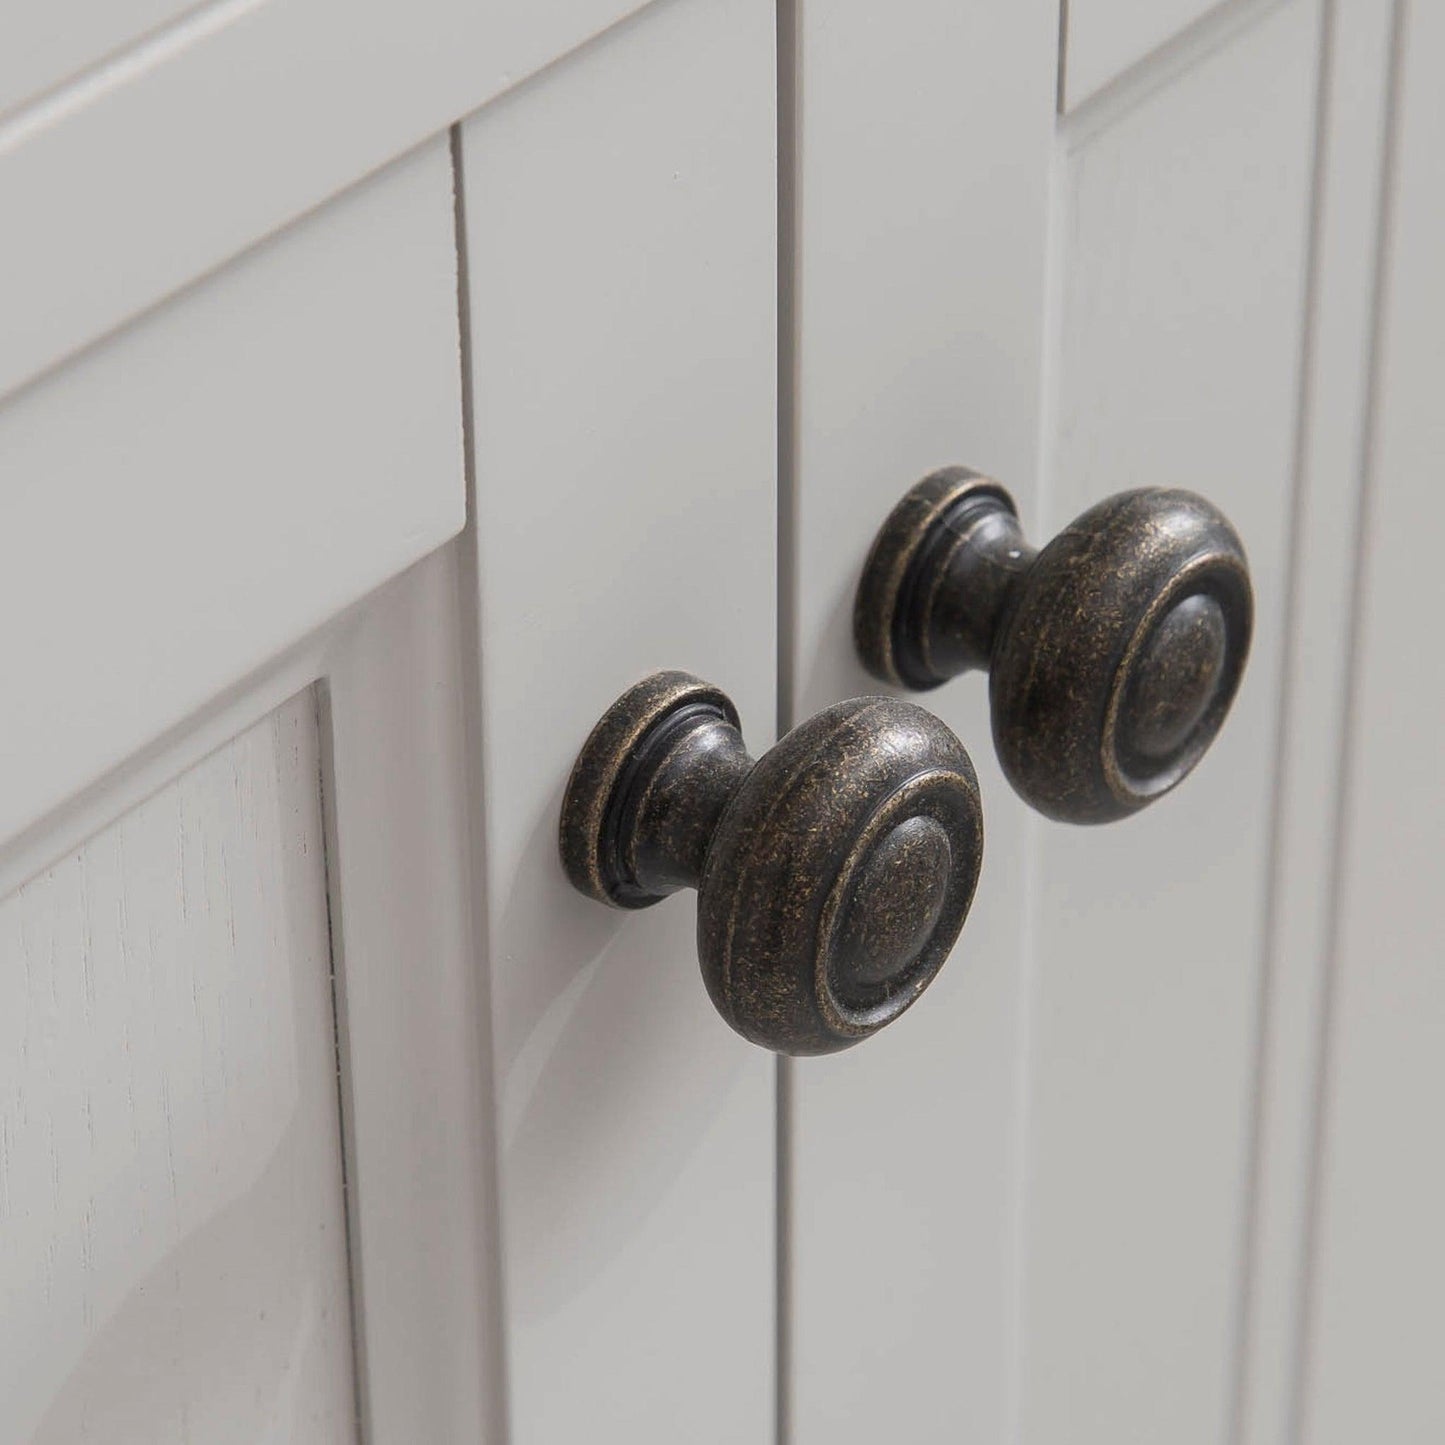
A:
{"x":918,"y":290}
{"x":245,"y":1111}
{"x":173,"y":1252}
{"x":1089,"y":1149}
{"x":197,"y":494}
{"x":620,"y":234}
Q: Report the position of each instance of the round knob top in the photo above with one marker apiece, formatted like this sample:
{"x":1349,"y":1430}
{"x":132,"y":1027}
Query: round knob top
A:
{"x":1124,"y":649}
{"x":834,"y":874}
{"x":840,"y":876}
{"x":1113,"y":654}
{"x":1177,"y":675}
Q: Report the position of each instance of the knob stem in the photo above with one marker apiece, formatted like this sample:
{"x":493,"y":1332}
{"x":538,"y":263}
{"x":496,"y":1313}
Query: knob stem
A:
{"x":944,"y":575}
{"x":969,"y":585}
{"x":682,"y":777}
{"x":649,"y":788}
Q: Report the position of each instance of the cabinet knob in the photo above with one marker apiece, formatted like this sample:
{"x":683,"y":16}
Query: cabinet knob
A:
{"x":1113,"y":654}
{"x":833,"y":873}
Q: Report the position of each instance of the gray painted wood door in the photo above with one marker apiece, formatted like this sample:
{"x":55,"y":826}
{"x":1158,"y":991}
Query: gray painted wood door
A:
{"x":1131,"y":1176}
{"x":321,"y":1088}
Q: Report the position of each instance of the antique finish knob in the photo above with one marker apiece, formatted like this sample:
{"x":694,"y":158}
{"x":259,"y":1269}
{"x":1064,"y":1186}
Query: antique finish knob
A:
{"x":1113,"y":654}
{"x":833,"y":873}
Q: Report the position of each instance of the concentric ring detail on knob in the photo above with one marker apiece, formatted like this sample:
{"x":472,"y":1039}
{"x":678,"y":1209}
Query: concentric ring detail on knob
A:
{"x":1084,"y":690}
{"x":782,"y":911}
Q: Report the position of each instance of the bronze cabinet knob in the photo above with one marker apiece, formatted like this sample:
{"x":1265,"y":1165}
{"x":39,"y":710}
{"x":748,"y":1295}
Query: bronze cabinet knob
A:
{"x":833,"y":873}
{"x":1113,"y":654}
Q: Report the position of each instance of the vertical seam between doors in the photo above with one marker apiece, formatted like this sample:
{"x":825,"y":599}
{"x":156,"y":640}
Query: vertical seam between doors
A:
{"x":1056,"y":242}
{"x":788,"y":80}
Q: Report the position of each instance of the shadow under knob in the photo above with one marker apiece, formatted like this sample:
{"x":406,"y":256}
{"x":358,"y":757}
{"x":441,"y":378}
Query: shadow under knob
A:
{"x":1113,"y":654}
{"x":833,"y":874}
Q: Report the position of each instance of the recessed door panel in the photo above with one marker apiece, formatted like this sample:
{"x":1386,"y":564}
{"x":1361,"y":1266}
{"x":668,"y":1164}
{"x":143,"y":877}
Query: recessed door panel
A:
{"x":173,"y":1259}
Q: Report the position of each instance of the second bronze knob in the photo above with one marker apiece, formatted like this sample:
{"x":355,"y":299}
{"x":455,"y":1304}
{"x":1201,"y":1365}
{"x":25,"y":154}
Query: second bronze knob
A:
{"x":1113,"y":653}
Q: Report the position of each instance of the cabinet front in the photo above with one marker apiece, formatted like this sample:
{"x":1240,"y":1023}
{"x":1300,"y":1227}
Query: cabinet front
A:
{"x":795,"y":465}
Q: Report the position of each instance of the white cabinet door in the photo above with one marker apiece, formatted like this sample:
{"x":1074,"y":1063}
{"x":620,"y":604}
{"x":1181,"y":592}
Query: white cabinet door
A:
{"x":921,"y":141}
{"x":327,"y":1109}
{"x":1074,"y":1188}
{"x":236,"y":917}
{"x":620,"y":244}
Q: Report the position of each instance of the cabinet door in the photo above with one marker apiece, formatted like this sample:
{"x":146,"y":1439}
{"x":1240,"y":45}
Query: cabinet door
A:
{"x":1074,"y":1186}
{"x":620,"y":249}
{"x":918,"y":264}
{"x":243,"y":1100}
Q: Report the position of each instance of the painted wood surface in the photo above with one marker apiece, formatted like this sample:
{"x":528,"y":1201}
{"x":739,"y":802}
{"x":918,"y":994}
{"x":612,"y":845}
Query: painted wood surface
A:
{"x":1376,"y":1335}
{"x":412,"y":994}
{"x":1104,"y":38}
{"x":621,"y":252}
{"x":196,"y":495}
{"x":1170,"y":968}
{"x":921,"y":140}
{"x":1183,"y":242}
{"x":1337,"y":346}
{"x":37,"y":54}
{"x":173,"y":1260}
{"x":142,"y":174}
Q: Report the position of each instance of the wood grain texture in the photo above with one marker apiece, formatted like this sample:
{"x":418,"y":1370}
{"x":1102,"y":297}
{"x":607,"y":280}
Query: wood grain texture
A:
{"x":111,"y":204}
{"x":1184,"y":223}
{"x":621,"y":244}
{"x":922,"y":145}
{"x":1373,"y":1369}
{"x":172,"y":1234}
{"x":195,"y":496}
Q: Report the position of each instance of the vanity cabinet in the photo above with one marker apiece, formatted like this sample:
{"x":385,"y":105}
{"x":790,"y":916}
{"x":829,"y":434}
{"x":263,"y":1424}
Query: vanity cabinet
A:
{"x":383,"y":390}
